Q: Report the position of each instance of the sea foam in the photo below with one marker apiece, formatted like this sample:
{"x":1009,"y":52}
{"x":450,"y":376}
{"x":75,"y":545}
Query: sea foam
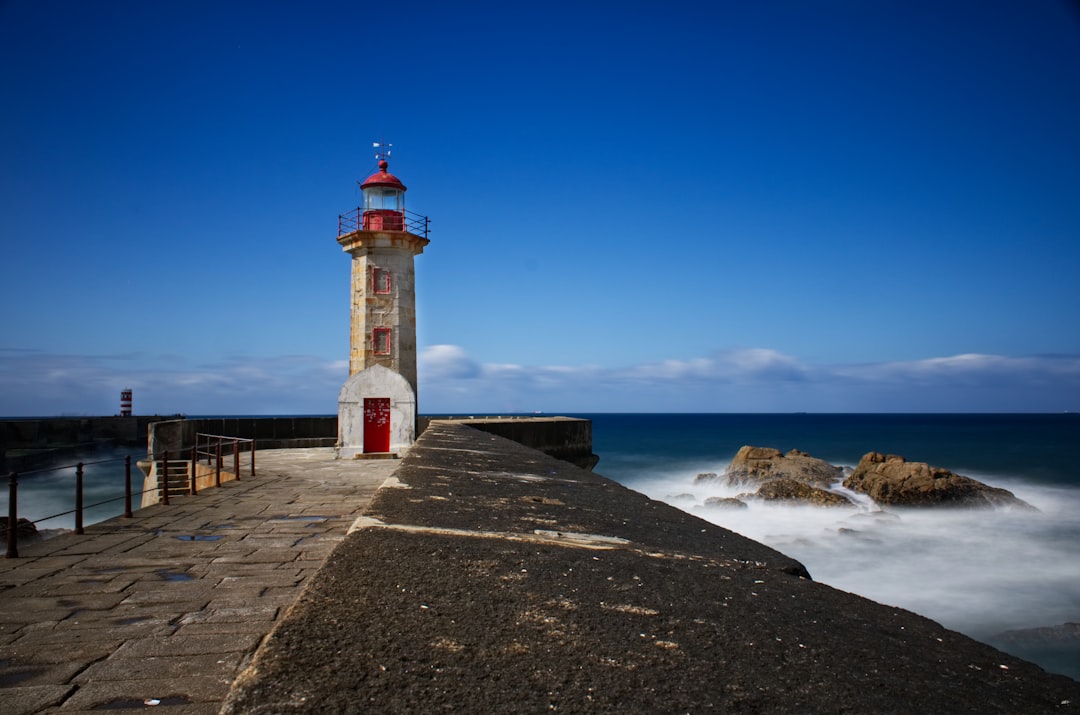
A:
{"x":977,"y":571}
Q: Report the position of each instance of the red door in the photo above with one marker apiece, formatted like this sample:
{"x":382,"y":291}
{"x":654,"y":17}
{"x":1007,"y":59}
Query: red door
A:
{"x":376,"y":424}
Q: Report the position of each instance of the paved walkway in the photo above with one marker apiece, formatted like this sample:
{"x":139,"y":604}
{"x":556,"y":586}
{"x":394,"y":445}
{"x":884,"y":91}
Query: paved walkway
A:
{"x":164,"y":609}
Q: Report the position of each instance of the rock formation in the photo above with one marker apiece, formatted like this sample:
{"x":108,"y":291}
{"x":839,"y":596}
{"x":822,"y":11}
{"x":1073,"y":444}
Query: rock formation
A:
{"x":795,"y":476}
{"x":25,"y":529}
{"x":764,"y":464}
{"x":890,"y":479}
{"x":792,"y":490}
{"x":725,"y":503}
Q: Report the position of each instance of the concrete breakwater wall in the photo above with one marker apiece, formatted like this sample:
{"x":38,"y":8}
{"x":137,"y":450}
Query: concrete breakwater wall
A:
{"x":565,"y":438}
{"x":269,"y":432}
{"x":489,"y":577}
{"x":28,"y":443}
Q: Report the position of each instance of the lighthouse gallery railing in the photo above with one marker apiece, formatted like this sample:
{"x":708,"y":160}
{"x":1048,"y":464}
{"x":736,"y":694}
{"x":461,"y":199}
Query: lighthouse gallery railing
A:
{"x":353,"y":220}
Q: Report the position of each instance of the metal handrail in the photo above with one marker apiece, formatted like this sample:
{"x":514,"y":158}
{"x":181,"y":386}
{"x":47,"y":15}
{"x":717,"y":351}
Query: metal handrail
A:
{"x":217,"y":441}
{"x":213,"y":456}
{"x":414,"y":223}
{"x":80,"y":507}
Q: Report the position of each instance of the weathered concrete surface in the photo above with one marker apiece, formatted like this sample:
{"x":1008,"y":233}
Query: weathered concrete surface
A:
{"x":565,"y":438}
{"x":495,"y":579}
{"x":170,"y":605}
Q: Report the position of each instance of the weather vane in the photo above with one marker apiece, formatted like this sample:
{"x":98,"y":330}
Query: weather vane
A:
{"x":382,"y":149}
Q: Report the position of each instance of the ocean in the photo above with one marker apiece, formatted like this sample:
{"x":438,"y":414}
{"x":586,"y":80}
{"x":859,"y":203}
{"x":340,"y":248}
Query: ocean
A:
{"x":980,"y":572}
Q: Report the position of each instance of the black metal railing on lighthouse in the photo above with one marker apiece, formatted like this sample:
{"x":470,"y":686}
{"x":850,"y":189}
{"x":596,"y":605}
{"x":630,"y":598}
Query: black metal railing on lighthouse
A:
{"x":412,"y":222}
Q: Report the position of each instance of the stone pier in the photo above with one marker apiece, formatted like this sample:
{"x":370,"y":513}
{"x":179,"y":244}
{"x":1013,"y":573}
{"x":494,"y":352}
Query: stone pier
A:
{"x":164,"y":609}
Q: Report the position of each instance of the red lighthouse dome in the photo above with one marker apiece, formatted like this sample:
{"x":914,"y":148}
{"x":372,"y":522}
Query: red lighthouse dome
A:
{"x":382,"y":177}
{"x":384,"y":201}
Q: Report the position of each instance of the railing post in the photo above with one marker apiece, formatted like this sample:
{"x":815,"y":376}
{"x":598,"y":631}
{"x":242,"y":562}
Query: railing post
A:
{"x":253,"y":457}
{"x":13,"y":517}
{"x":193,"y":486}
{"x":236,"y":458}
{"x":164,"y":478}
{"x":78,"y":498}
{"x":127,"y":486}
{"x":217,"y":463}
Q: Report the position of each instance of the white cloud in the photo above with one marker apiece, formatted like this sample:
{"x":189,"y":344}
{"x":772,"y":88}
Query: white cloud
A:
{"x":36,"y":383}
{"x":451,"y":381}
{"x":763,"y":380}
{"x":447,"y":362}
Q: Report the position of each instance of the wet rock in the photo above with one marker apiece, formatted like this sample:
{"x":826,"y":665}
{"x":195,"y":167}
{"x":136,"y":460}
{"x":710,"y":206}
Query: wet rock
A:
{"x":891,"y":479}
{"x":879,"y":516}
{"x":763,"y":464}
{"x":791,"y":490}
{"x":725,"y":503}
{"x":24,"y":528}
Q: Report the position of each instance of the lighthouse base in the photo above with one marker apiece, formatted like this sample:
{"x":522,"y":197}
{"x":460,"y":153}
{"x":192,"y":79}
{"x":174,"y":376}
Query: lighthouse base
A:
{"x":376,"y":414}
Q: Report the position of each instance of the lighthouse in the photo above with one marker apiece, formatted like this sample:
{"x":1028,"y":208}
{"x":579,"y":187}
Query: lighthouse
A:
{"x":377,"y":404}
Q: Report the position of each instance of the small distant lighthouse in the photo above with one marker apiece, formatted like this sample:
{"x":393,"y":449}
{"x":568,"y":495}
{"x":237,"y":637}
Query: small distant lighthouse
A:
{"x":125,"y":402}
{"x":377,"y":405}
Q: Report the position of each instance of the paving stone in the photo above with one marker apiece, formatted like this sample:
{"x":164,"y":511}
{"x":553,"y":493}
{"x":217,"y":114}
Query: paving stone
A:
{"x":85,"y":652}
{"x":236,"y":601}
{"x":126,"y":614}
{"x":32,"y":699}
{"x":116,"y":611}
{"x":258,"y":628}
{"x":80,"y":601}
{"x":88,"y":585}
{"x":185,"y":600}
{"x":34,"y":614}
{"x":23,"y":675}
{"x":282,"y":593}
{"x":24,"y":628}
{"x":167,"y":668}
{"x":107,"y":625}
{"x":263,"y":541}
{"x":164,"y":708}
{"x":103,"y":541}
{"x":264,"y":556}
{"x":127,"y":694}
{"x":29,"y":574}
{"x":191,"y":645}
{"x":273,"y":578}
{"x":223,"y":615}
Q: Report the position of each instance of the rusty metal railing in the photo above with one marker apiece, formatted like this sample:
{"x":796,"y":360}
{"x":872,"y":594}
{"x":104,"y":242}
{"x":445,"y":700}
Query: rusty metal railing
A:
{"x":213,"y":447}
{"x":412,"y":222}
{"x":13,"y":521}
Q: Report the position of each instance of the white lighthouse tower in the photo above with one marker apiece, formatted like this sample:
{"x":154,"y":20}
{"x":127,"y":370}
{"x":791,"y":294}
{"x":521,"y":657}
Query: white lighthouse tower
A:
{"x":377,"y":404}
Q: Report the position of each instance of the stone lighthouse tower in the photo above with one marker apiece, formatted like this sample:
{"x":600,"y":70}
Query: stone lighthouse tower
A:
{"x":377,"y":404}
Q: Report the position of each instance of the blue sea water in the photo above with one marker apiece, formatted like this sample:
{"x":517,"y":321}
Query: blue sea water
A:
{"x":49,"y":491}
{"x":981,"y":572}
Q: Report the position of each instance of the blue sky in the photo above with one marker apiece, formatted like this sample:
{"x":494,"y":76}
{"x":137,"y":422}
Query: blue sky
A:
{"x":730,"y":206}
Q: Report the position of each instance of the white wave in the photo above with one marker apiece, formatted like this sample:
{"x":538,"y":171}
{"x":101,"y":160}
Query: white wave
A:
{"x":978,"y":571}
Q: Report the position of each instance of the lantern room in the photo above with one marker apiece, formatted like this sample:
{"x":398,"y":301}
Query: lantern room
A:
{"x":384,"y":201}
